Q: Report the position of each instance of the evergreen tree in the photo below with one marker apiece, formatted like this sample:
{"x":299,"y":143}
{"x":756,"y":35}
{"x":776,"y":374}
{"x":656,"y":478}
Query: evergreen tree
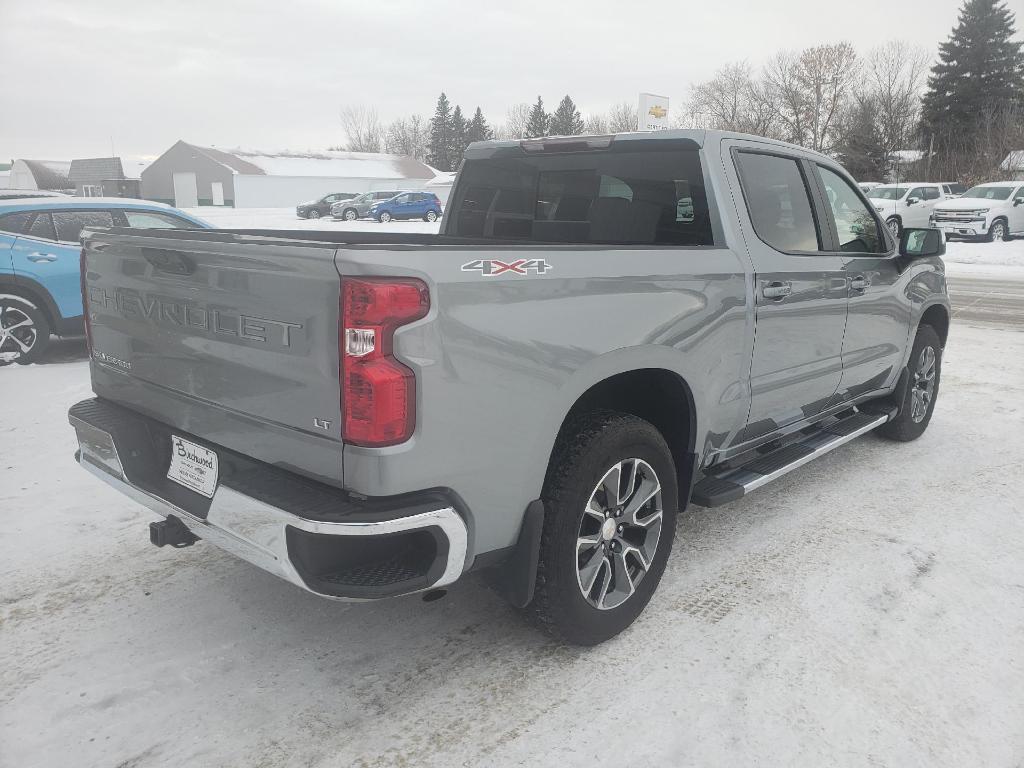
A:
{"x":478,"y":130}
{"x":566,"y":120}
{"x":460,"y":127}
{"x":862,"y":148}
{"x":441,"y":149}
{"x":980,"y":68}
{"x":539,"y":119}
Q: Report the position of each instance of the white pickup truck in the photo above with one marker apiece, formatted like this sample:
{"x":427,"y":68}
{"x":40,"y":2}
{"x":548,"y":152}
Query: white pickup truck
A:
{"x":993,"y":211}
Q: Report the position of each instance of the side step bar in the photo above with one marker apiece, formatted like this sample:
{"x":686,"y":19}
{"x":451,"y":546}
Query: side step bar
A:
{"x":736,"y":482}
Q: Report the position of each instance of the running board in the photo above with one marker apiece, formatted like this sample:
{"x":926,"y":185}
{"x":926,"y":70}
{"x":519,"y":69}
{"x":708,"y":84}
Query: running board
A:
{"x":735,"y":483}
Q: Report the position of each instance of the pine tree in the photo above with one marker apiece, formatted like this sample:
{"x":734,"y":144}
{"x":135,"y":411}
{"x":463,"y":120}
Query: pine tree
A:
{"x":862,"y":149}
{"x":980,"y":68}
{"x":478,"y":130}
{"x":566,"y":120}
{"x":460,"y":126}
{"x":539,"y":119}
{"x":440,"y":151}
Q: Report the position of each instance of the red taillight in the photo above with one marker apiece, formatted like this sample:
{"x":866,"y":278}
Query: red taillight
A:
{"x":85,"y":302}
{"x":378,"y":392}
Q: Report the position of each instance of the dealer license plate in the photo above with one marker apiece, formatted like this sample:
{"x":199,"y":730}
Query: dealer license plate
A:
{"x":193,"y":466}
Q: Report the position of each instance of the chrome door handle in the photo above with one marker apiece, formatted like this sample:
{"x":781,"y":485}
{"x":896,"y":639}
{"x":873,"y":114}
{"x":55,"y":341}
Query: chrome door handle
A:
{"x":776,"y":290}
{"x":41,"y":257}
{"x":859,"y":283}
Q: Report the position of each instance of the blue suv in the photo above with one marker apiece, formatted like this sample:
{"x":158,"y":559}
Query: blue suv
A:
{"x":40,"y":284}
{"x":408,"y":205}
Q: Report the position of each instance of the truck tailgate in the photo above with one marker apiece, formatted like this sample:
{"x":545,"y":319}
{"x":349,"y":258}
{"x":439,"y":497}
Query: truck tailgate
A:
{"x":236,"y":343}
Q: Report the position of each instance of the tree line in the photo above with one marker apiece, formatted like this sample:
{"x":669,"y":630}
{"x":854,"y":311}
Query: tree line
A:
{"x":962,"y":115}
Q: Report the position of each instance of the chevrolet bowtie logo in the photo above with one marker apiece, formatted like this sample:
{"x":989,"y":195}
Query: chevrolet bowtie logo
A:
{"x":657,"y":111}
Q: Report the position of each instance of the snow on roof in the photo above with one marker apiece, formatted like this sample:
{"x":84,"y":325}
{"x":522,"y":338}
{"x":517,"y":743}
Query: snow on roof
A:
{"x":1014,"y":161}
{"x":351,"y":165}
{"x":442,"y":179}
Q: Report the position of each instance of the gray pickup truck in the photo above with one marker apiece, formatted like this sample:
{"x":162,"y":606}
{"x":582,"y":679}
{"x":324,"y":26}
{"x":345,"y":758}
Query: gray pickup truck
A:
{"x":604,"y":330}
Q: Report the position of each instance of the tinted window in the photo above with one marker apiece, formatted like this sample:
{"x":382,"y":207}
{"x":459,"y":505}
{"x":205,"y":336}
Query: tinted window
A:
{"x":154,"y":220}
{"x":989,"y":193}
{"x":930,"y":193}
{"x":70,"y":223}
{"x":778,"y":201}
{"x":614,"y":196}
{"x":858,"y":231}
{"x":42,"y":227}
{"x":14,"y":223}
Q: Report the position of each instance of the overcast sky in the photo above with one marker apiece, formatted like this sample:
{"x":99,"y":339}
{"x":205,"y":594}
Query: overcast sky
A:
{"x":80,"y":76}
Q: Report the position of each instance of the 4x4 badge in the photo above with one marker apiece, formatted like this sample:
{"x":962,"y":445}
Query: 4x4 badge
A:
{"x":494,"y":267}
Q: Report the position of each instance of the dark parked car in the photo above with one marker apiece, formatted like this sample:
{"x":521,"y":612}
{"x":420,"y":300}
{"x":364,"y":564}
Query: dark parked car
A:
{"x":314,"y":209}
{"x":410,"y":205}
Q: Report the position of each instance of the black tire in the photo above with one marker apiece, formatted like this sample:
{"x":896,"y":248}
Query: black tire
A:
{"x":15,"y":310}
{"x":430,"y":216}
{"x":314,"y":214}
{"x":905,"y":427}
{"x":385,"y":217}
{"x":1002,"y":234}
{"x":350,"y":214}
{"x":588,"y":447}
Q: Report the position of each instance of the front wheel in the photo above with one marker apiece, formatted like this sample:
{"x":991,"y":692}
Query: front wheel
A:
{"x":610,"y":503}
{"x":923,"y":370}
{"x":384,"y":218}
{"x":997,"y":232}
{"x":431,"y":216}
{"x":351,"y":214}
{"x":314,"y":214}
{"x":24,"y":331}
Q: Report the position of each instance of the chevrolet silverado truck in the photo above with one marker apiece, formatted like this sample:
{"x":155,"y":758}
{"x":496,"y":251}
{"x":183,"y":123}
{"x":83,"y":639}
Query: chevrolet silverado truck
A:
{"x":604,"y":330}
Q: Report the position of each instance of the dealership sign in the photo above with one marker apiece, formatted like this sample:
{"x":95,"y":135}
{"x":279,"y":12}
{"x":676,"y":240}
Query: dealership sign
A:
{"x":652,"y":113}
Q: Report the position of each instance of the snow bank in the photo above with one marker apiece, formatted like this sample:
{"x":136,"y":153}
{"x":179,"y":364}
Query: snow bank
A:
{"x":1009,"y":253}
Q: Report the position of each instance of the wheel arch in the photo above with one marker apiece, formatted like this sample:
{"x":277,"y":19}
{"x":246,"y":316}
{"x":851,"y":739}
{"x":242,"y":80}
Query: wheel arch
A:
{"x":32,"y":291}
{"x":937,"y":316}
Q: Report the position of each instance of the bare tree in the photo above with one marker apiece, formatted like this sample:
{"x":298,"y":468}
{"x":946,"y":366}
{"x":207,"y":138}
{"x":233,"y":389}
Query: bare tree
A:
{"x":517,"y":117}
{"x":362,"y":129}
{"x":408,"y":136}
{"x":827,"y":74}
{"x":732,"y":100}
{"x":622,"y":117}
{"x":595,"y":124}
{"x":895,"y":77}
{"x":785,"y":95}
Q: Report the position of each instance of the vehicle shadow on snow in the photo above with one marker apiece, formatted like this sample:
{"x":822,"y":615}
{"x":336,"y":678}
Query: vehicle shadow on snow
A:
{"x":64,"y":350}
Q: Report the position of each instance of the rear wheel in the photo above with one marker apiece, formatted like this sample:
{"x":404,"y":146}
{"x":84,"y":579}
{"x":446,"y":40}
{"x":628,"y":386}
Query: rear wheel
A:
{"x":24,"y":331}
{"x":924,"y":370}
{"x":997,"y":232}
{"x":431,"y":216}
{"x":610,"y":504}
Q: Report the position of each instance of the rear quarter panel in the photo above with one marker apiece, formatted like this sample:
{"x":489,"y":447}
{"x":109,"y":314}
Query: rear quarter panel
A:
{"x":500,"y":360}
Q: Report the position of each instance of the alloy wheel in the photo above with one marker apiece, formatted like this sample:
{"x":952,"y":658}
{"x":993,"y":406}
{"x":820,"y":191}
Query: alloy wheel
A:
{"x":18,"y":333}
{"x":314,"y":214}
{"x":431,"y":216}
{"x":385,"y":217}
{"x":619,"y":533}
{"x":350,"y":215}
{"x":998,"y":232}
{"x":924,"y":385}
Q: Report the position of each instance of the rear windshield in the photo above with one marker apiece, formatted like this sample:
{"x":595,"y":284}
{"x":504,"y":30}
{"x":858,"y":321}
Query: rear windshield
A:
{"x":619,"y":197}
{"x":989,"y":193}
{"x":888,"y":193}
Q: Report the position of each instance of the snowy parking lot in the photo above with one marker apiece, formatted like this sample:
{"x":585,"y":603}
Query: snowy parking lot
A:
{"x":867,"y":609}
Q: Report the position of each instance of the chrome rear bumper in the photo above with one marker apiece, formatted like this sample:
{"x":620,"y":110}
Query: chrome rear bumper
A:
{"x":260,"y":533}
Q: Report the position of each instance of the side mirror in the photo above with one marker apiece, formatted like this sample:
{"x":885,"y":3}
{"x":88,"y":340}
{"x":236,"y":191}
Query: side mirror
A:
{"x":912,"y":201}
{"x":922,"y":243}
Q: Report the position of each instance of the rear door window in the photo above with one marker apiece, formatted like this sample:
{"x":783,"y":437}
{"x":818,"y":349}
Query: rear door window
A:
{"x":623,"y":195}
{"x":70,"y":223}
{"x":778,"y":202}
{"x":42,"y":227}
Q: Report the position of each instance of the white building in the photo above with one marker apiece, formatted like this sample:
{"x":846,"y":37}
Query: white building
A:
{"x":187,"y":175}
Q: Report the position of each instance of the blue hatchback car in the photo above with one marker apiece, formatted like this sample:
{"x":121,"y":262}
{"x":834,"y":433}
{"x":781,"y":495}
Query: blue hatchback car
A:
{"x":40,"y":284}
{"x":408,"y":205}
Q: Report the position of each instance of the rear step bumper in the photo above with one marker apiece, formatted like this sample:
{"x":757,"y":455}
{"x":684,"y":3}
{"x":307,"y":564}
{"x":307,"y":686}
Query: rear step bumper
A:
{"x":733,"y":483}
{"x":373,"y":551}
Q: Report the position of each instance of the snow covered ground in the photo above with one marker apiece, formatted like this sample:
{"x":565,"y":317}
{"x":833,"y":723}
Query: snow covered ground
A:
{"x":867,"y":609}
{"x":285,"y":218}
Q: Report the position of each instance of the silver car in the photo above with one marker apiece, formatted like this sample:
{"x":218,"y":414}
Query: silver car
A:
{"x":358,"y":207}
